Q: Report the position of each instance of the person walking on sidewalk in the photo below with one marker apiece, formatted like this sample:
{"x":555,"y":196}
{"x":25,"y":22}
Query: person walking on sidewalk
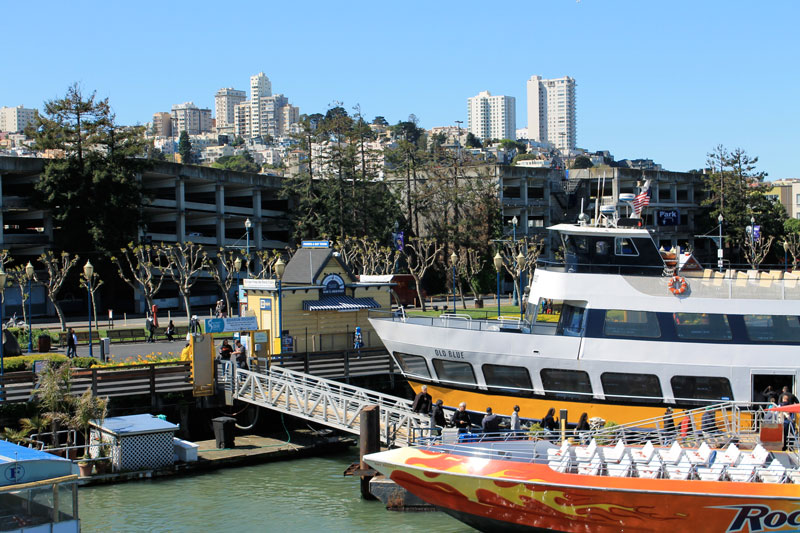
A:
{"x":150,"y":328}
{"x":72,"y":349}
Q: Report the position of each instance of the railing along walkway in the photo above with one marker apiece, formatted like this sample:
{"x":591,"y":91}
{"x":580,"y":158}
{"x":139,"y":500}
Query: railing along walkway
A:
{"x":331,"y":403}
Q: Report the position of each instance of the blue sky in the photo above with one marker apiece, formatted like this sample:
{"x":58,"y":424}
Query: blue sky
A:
{"x":664,"y":80}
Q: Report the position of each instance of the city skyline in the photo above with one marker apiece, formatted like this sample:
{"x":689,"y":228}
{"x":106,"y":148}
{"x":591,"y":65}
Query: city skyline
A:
{"x":666,"y":82}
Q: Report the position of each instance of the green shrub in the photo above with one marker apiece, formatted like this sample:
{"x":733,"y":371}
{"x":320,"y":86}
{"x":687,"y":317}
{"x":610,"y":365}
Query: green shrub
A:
{"x":25,"y":362}
{"x":84,"y":362}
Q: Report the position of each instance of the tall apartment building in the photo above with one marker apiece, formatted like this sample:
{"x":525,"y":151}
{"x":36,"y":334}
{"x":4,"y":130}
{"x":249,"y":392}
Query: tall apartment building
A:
{"x":162,"y":124}
{"x":264,"y":114}
{"x":551,"y":111}
{"x":492,"y":117}
{"x":260,"y":90}
{"x":15,"y":119}
{"x":225,"y":102}
{"x":190,"y":118}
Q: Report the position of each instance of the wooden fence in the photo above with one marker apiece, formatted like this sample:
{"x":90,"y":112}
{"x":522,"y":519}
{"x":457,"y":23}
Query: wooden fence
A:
{"x":127,"y":380}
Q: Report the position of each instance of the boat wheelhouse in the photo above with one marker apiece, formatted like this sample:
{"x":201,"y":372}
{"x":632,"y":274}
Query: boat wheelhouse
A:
{"x":618,"y":330}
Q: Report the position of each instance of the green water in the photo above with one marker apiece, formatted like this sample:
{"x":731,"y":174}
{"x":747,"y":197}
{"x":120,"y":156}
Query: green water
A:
{"x":293,"y":496}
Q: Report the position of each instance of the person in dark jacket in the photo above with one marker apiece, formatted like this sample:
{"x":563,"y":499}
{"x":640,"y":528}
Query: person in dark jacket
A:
{"x":150,"y":328}
{"x":422,"y":401}
{"x":437,"y":415}
{"x":583,"y":428}
{"x":490,"y":422}
{"x":549,"y":422}
{"x":170,"y":332}
{"x":72,"y":350}
{"x":461,"y":418}
{"x":225,"y":351}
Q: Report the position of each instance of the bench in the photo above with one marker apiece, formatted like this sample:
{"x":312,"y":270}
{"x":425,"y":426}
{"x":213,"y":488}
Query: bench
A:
{"x":123,"y":334}
{"x":83,"y":337}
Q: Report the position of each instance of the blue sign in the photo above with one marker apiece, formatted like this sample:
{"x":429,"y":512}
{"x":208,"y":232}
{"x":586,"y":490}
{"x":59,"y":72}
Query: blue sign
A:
{"x":669,"y":217}
{"x":223,"y":325}
{"x":316,"y":244}
{"x":757,"y":233}
{"x":266,"y":304}
{"x":14,"y":473}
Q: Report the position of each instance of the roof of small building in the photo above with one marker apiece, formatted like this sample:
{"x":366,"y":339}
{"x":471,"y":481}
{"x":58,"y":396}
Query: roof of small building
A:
{"x":306,"y":265}
{"x":135,"y":424}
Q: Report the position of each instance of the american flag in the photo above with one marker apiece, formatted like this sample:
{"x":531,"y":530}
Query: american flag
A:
{"x":642,"y":199}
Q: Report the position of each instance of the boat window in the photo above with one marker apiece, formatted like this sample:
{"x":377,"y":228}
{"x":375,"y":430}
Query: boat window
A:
{"x":772,"y":328}
{"x":507,"y":378}
{"x":702,"y":326}
{"x":623,"y":323}
{"x":700,"y":388}
{"x":602,"y":247}
{"x":454,"y":371}
{"x":625,"y":246}
{"x":412,"y":364}
{"x":571,"y":322}
{"x":631,"y":387}
{"x":561,"y":382}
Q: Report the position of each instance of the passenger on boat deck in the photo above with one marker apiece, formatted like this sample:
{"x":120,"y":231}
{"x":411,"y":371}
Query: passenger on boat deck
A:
{"x":792,"y":397}
{"x":549,"y":422}
{"x":788,"y":418}
{"x":708,"y":422}
{"x":490,"y":422}
{"x":461,"y":418}
{"x":583,"y":427}
{"x":669,"y":423}
{"x":422,"y":401}
{"x":768,"y":393}
{"x":515,"y":419}
{"x":437,"y":415}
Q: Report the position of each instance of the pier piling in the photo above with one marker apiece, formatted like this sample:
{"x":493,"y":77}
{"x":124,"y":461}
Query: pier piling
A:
{"x":369,"y":443}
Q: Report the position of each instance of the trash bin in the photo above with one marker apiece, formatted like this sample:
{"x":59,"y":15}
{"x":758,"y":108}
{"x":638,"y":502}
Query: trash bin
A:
{"x":44,"y":343}
{"x":105,"y":348}
{"x":224,"y":428}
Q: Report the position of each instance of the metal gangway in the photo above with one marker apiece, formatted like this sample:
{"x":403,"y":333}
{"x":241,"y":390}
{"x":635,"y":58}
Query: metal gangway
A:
{"x":324,"y":401}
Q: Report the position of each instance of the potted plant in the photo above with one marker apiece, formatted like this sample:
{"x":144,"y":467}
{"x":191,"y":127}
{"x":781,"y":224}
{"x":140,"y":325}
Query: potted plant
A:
{"x":103,"y":464}
{"x":85,"y":466}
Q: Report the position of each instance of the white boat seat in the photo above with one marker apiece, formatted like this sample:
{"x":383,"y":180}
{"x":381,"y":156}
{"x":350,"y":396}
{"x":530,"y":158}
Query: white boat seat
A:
{"x":652,"y":470}
{"x":715,"y":472}
{"x":673,"y":455}
{"x":643,"y":454}
{"x":621,"y":468}
{"x":615,"y":454}
{"x":561,"y":464}
{"x":557,"y":454}
{"x":700,"y":455}
{"x":774,"y":473}
{"x":730,"y":456}
{"x":593,"y":467}
{"x":793,"y":475}
{"x":681,"y":470}
{"x":742,"y":473}
{"x":586,"y":454}
{"x":758,"y":457}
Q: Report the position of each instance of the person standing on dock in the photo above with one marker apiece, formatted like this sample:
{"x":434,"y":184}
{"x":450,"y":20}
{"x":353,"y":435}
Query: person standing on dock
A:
{"x":490,"y":422}
{"x":461,"y":418}
{"x":437,"y":415}
{"x":422,"y":401}
{"x":240,"y":355}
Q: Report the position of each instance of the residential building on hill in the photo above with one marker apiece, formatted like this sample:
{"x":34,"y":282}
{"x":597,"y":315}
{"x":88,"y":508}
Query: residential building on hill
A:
{"x":225,"y":102}
{"x":191,"y":119}
{"x":492,"y":117}
{"x":15,"y":119}
{"x":162,"y":124}
{"x":551,"y":111}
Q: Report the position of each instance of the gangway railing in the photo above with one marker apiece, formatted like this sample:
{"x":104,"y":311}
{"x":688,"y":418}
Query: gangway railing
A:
{"x":324,"y":401}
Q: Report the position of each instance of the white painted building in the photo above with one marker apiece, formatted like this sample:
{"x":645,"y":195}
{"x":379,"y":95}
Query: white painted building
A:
{"x":15,"y":119}
{"x":209,"y":154}
{"x":551,"y":111}
{"x":492,"y":117}
{"x":190,"y":118}
{"x":225,"y":101}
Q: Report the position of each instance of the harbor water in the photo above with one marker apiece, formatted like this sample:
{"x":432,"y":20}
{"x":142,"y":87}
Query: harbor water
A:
{"x":292,"y":496}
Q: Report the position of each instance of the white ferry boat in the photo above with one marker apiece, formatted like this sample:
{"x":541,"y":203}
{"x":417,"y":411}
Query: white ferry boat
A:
{"x":630,"y":334}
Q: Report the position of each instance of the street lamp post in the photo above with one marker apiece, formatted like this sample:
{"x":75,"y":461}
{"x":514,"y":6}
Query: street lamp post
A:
{"x":29,"y":275}
{"x":280,"y":267}
{"x":719,"y":249}
{"x":498,"y":264}
{"x":520,"y":264}
{"x":88,"y":272}
{"x":247,"y":226}
{"x":453,"y":259}
{"x":514,"y":222}
{"x":237,"y":264}
{"x":3,"y":278}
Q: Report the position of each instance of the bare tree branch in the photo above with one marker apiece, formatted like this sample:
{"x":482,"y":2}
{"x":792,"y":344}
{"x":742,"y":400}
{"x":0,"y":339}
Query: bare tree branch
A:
{"x":57,"y":270}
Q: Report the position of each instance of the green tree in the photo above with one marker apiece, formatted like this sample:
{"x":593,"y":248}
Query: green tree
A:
{"x":472,"y":141}
{"x":93,"y":192}
{"x":582,"y":162}
{"x":185,"y":148}
{"x":240,"y":163}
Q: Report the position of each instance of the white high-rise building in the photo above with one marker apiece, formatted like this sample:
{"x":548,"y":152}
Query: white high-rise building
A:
{"x":260,"y":90}
{"x":188,"y":117}
{"x":551,"y":111}
{"x":492,"y":117}
{"x":225,"y":101}
{"x":15,"y":119}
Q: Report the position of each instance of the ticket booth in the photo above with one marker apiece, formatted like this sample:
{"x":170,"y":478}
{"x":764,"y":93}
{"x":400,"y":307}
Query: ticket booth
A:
{"x":317,"y":304}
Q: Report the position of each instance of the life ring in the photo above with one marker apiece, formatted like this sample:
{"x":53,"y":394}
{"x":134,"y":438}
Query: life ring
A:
{"x":677,"y":285}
